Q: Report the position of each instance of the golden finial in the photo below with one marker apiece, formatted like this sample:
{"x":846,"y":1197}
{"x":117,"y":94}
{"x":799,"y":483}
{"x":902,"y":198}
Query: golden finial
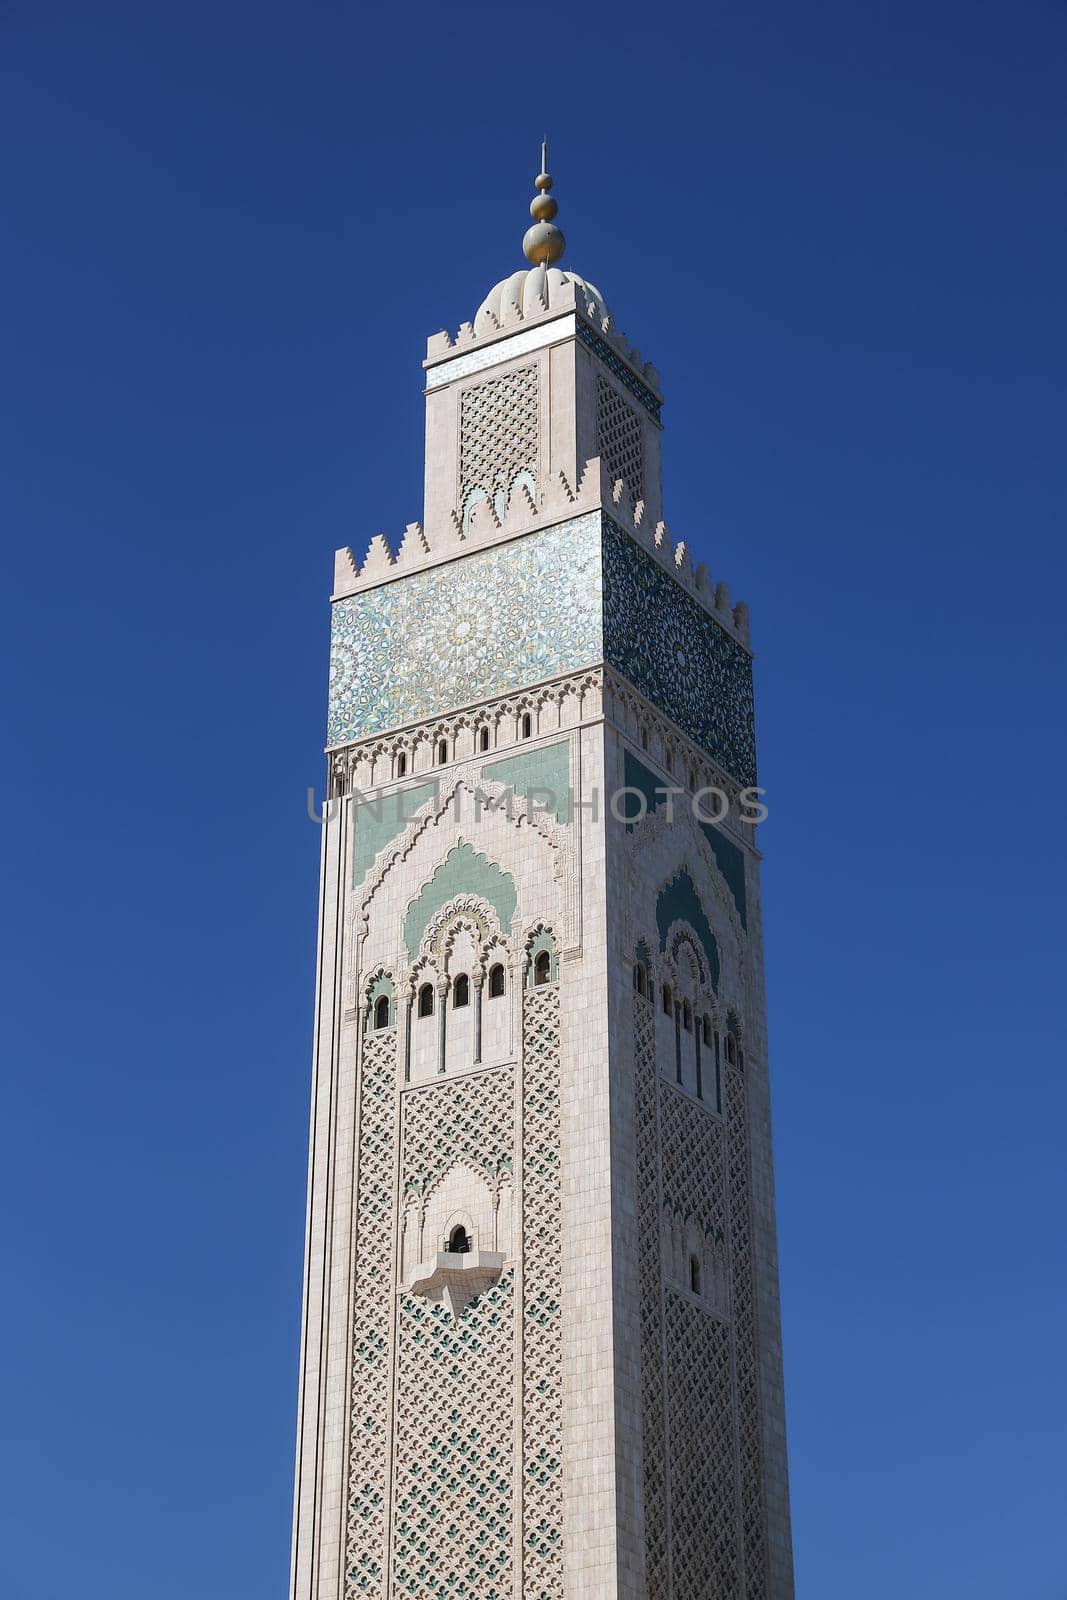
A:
{"x":543,"y":243}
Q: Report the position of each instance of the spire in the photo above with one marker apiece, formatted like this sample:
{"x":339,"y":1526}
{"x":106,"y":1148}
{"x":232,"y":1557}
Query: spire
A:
{"x":543,"y":242}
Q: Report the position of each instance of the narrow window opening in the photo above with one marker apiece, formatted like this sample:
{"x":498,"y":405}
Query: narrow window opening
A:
{"x":426,"y":1000}
{"x":640,"y":978}
{"x":483,"y":739}
{"x":527,"y":725}
{"x":459,"y":1241}
{"x":542,"y":967}
{"x":461,"y":990}
{"x":496,"y":981}
{"x":401,"y":765}
{"x":687,"y":1017}
{"x":694,"y":1274}
{"x":644,"y":738}
{"x":668,"y":1008}
{"x":442,"y":752}
{"x":731,"y":1050}
{"x":707,"y":1031}
{"x":381,"y":1011}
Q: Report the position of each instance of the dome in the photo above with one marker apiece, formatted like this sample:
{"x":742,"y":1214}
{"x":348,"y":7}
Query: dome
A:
{"x":532,"y":292}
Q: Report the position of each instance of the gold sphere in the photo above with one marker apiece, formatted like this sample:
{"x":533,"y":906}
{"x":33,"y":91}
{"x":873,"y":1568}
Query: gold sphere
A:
{"x":542,"y":181}
{"x":543,"y":243}
{"x":543,"y":208}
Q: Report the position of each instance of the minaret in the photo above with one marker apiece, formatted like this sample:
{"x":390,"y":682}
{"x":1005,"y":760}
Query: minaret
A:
{"x":540,"y":1354}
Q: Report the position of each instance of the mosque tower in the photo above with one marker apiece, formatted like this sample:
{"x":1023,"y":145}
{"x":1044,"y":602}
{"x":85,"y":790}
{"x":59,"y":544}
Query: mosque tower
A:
{"x":540,"y":1355}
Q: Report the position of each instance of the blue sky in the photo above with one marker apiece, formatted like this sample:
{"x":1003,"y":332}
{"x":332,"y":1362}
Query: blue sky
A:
{"x":839,"y":231}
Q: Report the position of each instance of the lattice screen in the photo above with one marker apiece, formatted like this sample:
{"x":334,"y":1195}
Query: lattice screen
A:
{"x":372,"y":1314}
{"x":542,"y":1352}
{"x":498,"y":433}
{"x":620,"y":439}
{"x":701,"y":1444}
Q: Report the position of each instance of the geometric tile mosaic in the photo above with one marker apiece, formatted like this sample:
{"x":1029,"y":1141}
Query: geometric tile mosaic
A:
{"x":687,"y":665}
{"x":493,"y":621}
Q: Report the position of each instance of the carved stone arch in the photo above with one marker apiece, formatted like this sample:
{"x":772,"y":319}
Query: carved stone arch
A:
{"x":540,"y":940}
{"x":690,"y":842}
{"x":497,"y":951}
{"x":683,"y":944}
{"x":379,"y":999}
{"x":646,"y":949}
{"x":467,"y":913}
{"x":678,"y":901}
{"x":555,"y":834}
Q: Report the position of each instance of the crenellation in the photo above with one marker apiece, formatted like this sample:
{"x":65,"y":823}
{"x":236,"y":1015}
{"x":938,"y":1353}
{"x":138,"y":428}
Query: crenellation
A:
{"x":523,"y":514}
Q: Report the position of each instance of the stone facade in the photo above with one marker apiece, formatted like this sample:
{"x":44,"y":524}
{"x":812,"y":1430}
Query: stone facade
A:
{"x":540,"y":1352}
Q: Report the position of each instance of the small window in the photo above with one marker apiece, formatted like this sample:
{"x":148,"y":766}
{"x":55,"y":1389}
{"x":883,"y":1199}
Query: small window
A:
{"x":401,"y":765}
{"x":640,"y":978}
{"x":644,"y":738}
{"x":459,"y":1241}
{"x":483,"y":739}
{"x":381,"y":1011}
{"x":442,"y":752}
{"x":707,"y":1032}
{"x":542,"y":967}
{"x":731,"y":1049}
{"x":668,"y":1005}
{"x":426,"y":1000}
{"x":461,"y":990}
{"x":687,"y":1016}
{"x":496,"y":981}
{"x":694,"y":1274}
{"x":527,"y":725}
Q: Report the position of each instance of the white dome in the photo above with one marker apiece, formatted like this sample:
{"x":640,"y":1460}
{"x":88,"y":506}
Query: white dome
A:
{"x":531,"y":292}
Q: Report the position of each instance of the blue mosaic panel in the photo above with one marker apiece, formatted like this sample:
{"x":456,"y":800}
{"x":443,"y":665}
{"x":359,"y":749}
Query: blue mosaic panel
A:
{"x":491,"y":622}
{"x":677,"y":656}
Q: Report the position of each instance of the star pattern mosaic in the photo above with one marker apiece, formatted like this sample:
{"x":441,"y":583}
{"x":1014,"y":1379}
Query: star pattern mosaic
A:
{"x":677,"y":656}
{"x":494,"y":621}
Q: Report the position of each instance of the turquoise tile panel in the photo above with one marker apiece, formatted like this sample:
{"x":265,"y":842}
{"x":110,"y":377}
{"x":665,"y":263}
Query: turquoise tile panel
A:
{"x":729,"y":857}
{"x":491,"y":622}
{"x":463,"y":871}
{"x":542,"y":772}
{"x":378,"y":821}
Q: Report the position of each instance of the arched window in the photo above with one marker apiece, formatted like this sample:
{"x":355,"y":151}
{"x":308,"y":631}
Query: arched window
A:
{"x":542,"y":967}
{"x":426,"y":1000}
{"x":381,"y":1011}
{"x":401,"y":764}
{"x":707,"y":1031}
{"x":668,"y":1004}
{"x":527,"y":725}
{"x":694,"y":1274}
{"x":483,"y":739}
{"x":461,"y":990}
{"x":640,"y":977}
{"x":442,"y":752}
{"x":496,"y":981}
{"x":687,"y":1016}
{"x":731,"y":1049}
{"x":459,"y":1240}
{"x":644,"y":738}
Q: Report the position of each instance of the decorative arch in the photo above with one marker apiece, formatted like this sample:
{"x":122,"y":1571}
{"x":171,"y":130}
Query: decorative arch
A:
{"x":464,"y":872}
{"x":541,"y":943}
{"x":678,"y":901}
{"x":381,"y":987}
